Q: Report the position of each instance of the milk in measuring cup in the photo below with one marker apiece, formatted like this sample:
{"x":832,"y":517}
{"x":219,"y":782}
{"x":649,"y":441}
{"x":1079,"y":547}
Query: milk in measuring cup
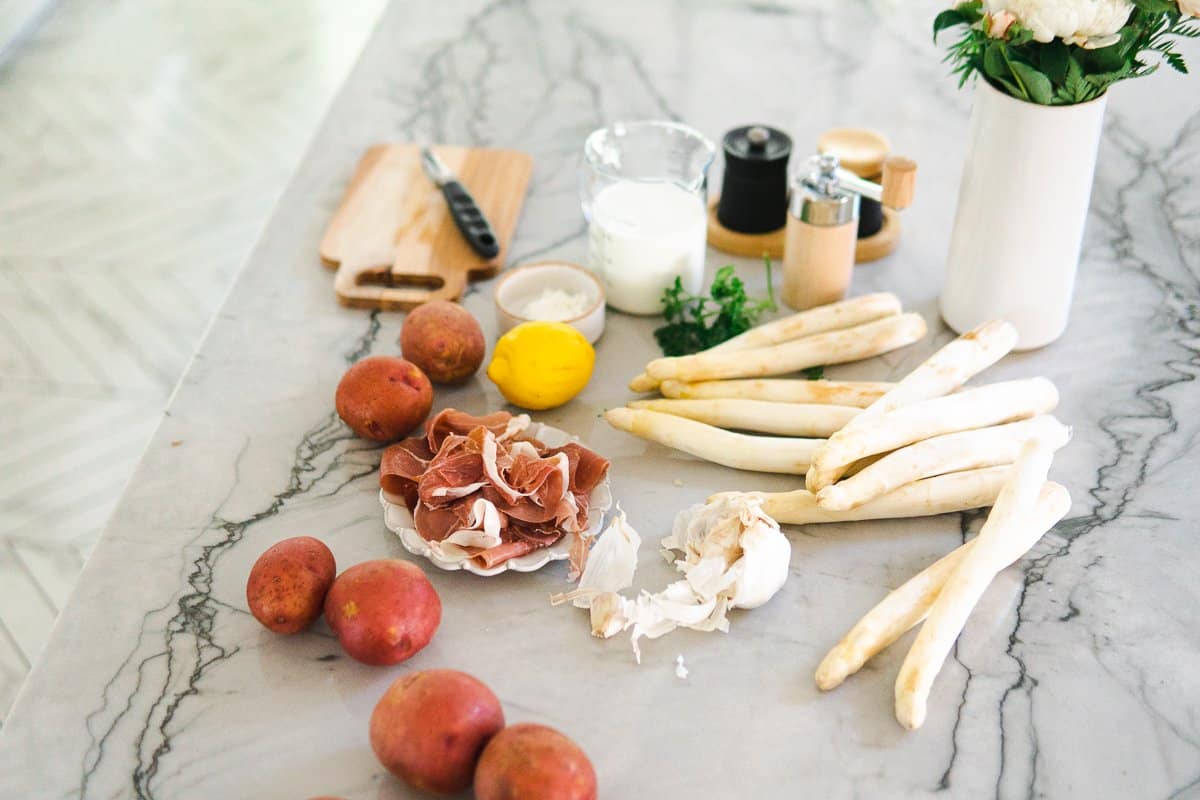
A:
{"x":642,"y":236}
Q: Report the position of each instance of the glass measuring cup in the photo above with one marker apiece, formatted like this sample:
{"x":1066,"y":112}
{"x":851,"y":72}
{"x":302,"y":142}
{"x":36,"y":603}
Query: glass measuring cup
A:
{"x":643,"y":188}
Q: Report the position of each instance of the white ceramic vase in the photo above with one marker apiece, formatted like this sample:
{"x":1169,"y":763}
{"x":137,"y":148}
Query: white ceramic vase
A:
{"x":1022,"y":207}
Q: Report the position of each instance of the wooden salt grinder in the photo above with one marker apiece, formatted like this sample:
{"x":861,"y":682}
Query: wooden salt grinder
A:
{"x":863,"y":152}
{"x":822,"y":226}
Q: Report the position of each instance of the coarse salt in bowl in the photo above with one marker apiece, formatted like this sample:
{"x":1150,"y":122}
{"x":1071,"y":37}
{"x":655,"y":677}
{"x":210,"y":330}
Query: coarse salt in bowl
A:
{"x":551,"y":291}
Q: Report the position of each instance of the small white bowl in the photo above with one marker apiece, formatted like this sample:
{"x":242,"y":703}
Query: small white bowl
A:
{"x":516,"y":287}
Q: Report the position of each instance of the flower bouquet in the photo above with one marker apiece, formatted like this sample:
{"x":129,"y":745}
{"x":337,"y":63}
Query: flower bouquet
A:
{"x":1061,"y":52}
{"x":1031,"y":152}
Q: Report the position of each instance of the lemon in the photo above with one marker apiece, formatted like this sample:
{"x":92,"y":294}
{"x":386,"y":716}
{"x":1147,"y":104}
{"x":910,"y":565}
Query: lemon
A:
{"x":539,"y":365}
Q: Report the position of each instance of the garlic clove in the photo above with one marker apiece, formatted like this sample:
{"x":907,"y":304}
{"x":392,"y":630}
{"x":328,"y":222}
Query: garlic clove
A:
{"x":610,"y":614}
{"x":612,"y":562}
{"x":764,"y":566}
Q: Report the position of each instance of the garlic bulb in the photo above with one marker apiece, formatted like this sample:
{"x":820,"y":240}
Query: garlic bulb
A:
{"x":731,"y":554}
{"x":730,"y":545}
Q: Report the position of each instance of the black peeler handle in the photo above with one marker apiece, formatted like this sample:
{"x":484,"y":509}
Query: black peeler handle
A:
{"x":470,"y":220}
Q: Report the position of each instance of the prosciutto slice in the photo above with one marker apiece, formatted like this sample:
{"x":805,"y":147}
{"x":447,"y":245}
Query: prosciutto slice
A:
{"x":401,"y":468}
{"x":451,"y":421}
{"x":497,"y":555}
{"x":457,"y":471}
{"x":470,"y":522}
{"x":587,"y":468}
{"x":477,"y":484}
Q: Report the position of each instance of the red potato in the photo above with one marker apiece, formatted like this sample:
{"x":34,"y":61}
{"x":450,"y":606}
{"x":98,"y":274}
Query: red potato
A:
{"x":533,"y":762}
{"x":383,"y":398}
{"x":443,"y":339}
{"x":383,"y":611}
{"x":287,"y":584}
{"x":430,"y":727}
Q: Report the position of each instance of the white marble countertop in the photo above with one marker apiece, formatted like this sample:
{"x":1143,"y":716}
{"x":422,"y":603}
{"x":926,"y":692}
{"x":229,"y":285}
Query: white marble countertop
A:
{"x":1077,"y":676}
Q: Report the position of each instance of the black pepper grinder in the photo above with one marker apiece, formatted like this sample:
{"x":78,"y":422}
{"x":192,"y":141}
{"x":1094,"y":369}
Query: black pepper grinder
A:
{"x":754,"y":193}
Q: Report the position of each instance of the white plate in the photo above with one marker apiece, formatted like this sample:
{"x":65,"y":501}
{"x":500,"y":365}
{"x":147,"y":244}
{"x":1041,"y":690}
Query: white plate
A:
{"x":400,"y":522}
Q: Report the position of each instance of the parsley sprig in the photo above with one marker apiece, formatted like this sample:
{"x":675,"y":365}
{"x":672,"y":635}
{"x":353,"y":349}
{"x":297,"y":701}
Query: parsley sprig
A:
{"x":697,"y":322}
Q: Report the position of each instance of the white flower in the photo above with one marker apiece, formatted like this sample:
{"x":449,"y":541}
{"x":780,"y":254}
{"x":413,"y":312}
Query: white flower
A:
{"x":1190,"y":7}
{"x":1089,"y":23}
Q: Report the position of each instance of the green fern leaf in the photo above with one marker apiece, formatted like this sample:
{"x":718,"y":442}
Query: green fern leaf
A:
{"x":1176,"y":62}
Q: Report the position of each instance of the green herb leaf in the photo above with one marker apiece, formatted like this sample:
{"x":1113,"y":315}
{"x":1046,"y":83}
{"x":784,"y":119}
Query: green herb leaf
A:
{"x":770,"y":284}
{"x":814,"y":373}
{"x":1074,"y":88}
{"x":1176,"y":61}
{"x":1055,"y":57}
{"x":1037,"y":85}
{"x":1105,"y":59}
{"x":995,"y":66}
{"x":698,"y":322}
{"x":1019,"y":35}
{"x":993,"y":61}
{"x":1154,"y":6}
{"x":948,"y":19}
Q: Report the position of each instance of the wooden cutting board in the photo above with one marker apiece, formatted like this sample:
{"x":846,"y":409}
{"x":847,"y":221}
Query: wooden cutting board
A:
{"x":392,"y":240}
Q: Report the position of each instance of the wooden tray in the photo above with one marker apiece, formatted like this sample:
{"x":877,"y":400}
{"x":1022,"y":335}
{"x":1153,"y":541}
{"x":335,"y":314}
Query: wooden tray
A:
{"x":750,"y":245}
{"x":392,"y":240}
{"x":756,"y":245}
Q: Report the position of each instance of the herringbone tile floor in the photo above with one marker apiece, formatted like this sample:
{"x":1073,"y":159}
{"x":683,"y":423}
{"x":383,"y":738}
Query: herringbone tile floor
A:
{"x":142,"y":145}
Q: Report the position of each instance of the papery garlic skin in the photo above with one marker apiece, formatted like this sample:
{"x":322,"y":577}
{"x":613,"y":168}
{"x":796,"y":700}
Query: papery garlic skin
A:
{"x":612,"y":562}
{"x":681,"y":670}
{"x":610,"y":614}
{"x":610,"y":568}
{"x":731,"y":554}
{"x":731,"y":546}
{"x":734,"y":556}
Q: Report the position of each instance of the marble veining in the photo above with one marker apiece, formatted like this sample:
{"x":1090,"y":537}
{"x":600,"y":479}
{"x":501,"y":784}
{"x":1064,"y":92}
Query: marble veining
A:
{"x":1076,"y":676}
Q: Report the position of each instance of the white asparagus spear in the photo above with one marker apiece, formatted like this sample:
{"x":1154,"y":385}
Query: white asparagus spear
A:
{"x":952,"y":452}
{"x":781,"y":419}
{"x":1009,"y":524}
{"x":831,"y":317}
{"x":642,"y":383}
{"x":969,"y":409}
{"x":943,"y":372}
{"x":737,"y":450}
{"x":905,"y":607}
{"x":831,"y":347}
{"x":958,"y":491}
{"x":859,"y":394}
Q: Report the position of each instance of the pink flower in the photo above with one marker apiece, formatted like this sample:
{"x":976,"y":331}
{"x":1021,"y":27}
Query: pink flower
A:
{"x":998,"y":24}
